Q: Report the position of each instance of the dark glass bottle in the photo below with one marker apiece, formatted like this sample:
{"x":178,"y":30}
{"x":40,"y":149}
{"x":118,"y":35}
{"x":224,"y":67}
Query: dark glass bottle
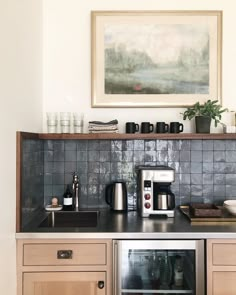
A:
{"x":68,"y":199}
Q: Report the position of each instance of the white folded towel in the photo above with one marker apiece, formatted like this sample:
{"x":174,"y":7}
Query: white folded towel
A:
{"x":107,"y":127}
{"x":104,"y":131}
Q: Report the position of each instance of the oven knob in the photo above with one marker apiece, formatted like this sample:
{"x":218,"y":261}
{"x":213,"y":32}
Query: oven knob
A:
{"x":147,"y":196}
{"x":147,"y":205}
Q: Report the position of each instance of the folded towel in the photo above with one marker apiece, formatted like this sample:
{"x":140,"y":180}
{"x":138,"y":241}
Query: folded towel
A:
{"x":104,"y":131}
{"x":105,"y":127}
{"x":104,"y":123}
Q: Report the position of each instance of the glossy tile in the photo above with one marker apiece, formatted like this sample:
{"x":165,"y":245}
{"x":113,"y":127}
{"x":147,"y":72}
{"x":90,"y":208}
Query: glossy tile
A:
{"x":70,"y":145}
{"x":219,"y":156}
{"x":196,"y":145}
{"x":207,"y":145}
{"x":207,"y":156}
{"x":207,"y":178}
{"x":173,"y":145}
{"x":205,"y":169}
{"x":70,"y":167}
{"x":70,"y":155}
{"x":139,"y":145}
{"x":161,"y":145}
{"x":82,"y":156}
{"x":219,"y":145}
{"x":82,"y":145}
{"x":219,"y":178}
{"x":149,"y":145}
{"x":196,"y":156}
{"x":230,"y":156}
{"x":116,"y":145}
{"x":184,"y":156}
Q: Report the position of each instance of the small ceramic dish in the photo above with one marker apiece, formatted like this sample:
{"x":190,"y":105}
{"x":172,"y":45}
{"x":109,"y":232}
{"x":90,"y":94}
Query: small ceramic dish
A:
{"x":230,"y":205}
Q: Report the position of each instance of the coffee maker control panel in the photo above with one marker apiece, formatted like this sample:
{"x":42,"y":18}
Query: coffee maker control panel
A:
{"x":147,"y":185}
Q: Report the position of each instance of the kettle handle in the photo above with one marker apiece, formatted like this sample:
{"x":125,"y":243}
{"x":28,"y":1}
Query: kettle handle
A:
{"x":108,"y":191}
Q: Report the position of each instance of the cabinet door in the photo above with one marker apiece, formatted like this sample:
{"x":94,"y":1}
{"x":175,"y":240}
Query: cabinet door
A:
{"x":64,"y":283}
{"x":221,"y":267}
{"x":224,"y":282}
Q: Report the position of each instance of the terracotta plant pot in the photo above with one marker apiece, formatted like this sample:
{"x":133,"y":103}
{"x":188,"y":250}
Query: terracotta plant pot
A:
{"x":203,"y":124}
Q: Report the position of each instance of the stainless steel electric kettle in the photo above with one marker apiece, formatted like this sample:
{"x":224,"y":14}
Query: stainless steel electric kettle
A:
{"x":116,"y":196}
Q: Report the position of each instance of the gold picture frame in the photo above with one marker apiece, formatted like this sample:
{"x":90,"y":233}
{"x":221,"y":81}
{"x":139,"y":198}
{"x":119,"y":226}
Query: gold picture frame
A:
{"x":155,"y":58}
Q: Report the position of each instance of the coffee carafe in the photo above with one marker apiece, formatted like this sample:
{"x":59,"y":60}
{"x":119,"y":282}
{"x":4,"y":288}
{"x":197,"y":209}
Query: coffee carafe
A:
{"x":164,"y":200}
{"x":116,"y":196}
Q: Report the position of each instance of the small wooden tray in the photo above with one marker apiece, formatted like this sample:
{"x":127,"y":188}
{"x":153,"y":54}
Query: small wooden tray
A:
{"x":204,"y":210}
{"x":225,"y":217}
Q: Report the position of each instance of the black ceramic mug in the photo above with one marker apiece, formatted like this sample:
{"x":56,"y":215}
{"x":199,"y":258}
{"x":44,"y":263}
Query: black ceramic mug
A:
{"x":146,"y":127}
{"x":131,"y":127}
{"x":176,"y":127}
{"x":162,"y":127}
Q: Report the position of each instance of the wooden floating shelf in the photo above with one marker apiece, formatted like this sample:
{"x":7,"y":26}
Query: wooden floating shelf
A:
{"x":117,"y":136}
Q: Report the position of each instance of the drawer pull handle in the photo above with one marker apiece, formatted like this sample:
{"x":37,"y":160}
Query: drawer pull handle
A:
{"x":64,"y":254}
{"x":101,"y":284}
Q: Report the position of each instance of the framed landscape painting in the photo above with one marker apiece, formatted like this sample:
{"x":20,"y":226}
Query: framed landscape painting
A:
{"x":155,"y":58}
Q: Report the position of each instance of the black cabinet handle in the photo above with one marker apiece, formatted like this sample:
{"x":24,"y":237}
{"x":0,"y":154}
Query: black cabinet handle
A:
{"x":101,"y":284}
{"x":64,"y":254}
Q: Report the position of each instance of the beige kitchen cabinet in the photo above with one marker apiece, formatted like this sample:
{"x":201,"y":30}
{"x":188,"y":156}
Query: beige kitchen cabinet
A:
{"x":221,"y":267}
{"x":64,"y":267}
{"x":64,"y":283}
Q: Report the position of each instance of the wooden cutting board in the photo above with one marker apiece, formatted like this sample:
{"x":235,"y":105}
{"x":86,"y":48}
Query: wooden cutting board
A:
{"x":226,"y":217}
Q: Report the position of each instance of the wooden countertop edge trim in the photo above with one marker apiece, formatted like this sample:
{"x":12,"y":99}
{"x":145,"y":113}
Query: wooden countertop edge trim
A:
{"x":119,"y":136}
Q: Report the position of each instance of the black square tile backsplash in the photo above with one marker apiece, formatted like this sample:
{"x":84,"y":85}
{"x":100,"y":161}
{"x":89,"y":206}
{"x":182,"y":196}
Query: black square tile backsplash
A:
{"x":33,"y":173}
{"x":205,"y":169}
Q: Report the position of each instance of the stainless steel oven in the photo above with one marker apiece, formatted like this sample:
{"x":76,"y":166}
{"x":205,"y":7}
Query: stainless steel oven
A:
{"x":158,"y":267}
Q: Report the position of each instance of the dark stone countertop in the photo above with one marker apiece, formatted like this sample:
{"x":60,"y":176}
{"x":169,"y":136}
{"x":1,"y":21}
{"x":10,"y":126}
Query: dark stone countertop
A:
{"x":130,"y":225}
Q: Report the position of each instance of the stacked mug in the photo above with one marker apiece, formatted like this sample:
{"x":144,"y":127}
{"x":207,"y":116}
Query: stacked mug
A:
{"x":52,"y":122}
{"x":78,"y":122}
{"x":65,"y":122}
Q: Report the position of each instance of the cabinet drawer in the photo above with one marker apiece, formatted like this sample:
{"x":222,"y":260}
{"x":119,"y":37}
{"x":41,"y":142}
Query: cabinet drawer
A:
{"x":224,"y":254}
{"x":64,"y":254}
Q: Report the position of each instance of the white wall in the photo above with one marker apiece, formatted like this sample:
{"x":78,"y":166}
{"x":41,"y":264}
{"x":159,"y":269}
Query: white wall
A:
{"x":20,"y":109}
{"x":67,"y":54}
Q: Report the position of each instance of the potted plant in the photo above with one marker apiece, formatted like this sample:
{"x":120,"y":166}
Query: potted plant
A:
{"x":203,"y":115}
